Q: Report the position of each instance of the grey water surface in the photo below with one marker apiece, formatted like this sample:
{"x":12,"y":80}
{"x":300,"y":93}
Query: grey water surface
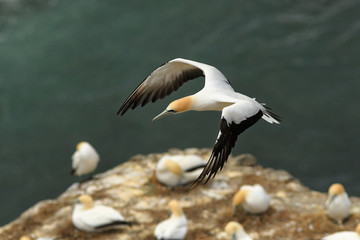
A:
{"x":67,"y":66}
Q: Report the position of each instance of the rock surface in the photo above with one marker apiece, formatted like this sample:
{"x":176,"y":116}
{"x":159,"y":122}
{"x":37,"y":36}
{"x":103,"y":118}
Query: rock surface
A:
{"x":295,"y":213}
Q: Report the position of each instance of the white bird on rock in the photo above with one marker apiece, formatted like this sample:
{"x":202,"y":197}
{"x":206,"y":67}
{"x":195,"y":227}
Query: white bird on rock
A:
{"x":179,"y":170}
{"x":338,"y":203}
{"x":84,"y":159}
{"x":90,"y":218}
{"x":175,"y":227}
{"x":236,"y":231}
{"x":239,"y":112}
{"x":345,"y":235}
{"x":253,"y":199}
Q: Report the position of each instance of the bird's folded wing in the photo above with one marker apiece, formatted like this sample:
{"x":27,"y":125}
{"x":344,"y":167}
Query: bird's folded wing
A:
{"x":235,"y":119}
{"x":100,"y":216}
{"x":160,"y":83}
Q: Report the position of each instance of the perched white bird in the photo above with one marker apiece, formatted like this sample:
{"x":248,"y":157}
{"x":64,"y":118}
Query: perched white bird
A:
{"x":239,"y":112}
{"x":84,"y":160}
{"x":236,"y":231}
{"x":179,"y":170}
{"x":253,"y":199}
{"x":173,"y":228}
{"x":338,"y":203}
{"x":90,"y":218}
{"x":41,"y":238}
{"x":345,"y":235}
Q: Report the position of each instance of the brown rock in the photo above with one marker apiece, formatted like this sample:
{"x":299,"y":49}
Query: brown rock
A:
{"x":295,"y":213}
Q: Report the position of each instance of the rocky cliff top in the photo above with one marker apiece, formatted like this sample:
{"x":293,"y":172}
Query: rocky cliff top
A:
{"x":296,"y":212}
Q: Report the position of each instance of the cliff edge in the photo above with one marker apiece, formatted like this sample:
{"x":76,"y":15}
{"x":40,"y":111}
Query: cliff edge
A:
{"x":296,"y":212}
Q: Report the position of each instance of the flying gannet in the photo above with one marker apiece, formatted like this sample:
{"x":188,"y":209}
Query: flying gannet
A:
{"x":239,"y":111}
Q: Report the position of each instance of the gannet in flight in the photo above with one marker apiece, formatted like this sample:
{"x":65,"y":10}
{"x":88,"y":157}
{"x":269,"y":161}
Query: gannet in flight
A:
{"x":84,"y":159}
{"x":239,"y":112}
{"x":338,"y":203}
{"x":90,"y":218}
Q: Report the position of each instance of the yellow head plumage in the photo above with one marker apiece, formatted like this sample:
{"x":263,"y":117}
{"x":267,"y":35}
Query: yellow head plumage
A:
{"x":86,"y":201}
{"x":181,"y":105}
{"x":336,"y":189}
{"x":175,"y":208}
{"x":173,"y":167}
{"x":233,"y":227}
{"x":239,"y":197}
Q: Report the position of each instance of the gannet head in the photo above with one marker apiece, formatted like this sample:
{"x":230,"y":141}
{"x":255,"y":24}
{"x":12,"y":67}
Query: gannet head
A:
{"x":177,"y":106}
{"x":175,"y":208}
{"x":25,"y":238}
{"x":173,"y":166}
{"x":78,"y":146}
{"x":336,"y":189}
{"x":233,"y":227}
{"x":86,"y":201}
{"x":239,"y":198}
{"x":358,"y":229}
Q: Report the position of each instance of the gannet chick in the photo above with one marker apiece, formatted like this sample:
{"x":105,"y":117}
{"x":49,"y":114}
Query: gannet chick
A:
{"x":84,"y":160}
{"x":173,"y":228}
{"x":238,"y":111}
{"x":236,"y":231}
{"x":253,"y":199}
{"x":345,"y":235}
{"x":179,"y":170}
{"x":90,"y":218}
{"x":338,"y":203}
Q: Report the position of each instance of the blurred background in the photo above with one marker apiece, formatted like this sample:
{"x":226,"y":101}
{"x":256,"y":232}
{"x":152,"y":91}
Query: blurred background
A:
{"x":67,"y":66}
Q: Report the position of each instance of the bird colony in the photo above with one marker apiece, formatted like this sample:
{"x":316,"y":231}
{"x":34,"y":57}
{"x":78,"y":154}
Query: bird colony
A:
{"x":180,"y":175}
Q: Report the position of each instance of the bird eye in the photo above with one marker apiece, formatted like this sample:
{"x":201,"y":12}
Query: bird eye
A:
{"x":171,"y":110}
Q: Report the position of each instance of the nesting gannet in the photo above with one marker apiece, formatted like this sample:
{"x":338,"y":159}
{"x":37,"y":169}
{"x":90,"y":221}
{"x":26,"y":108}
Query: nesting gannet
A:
{"x":90,"y":218}
{"x":338,"y":203}
{"x":236,"y":231}
{"x":239,"y":112}
{"x":84,"y":159}
{"x":175,"y":227}
{"x":41,"y":238}
{"x":253,"y":199}
{"x":345,"y":235}
{"x":179,"y":170}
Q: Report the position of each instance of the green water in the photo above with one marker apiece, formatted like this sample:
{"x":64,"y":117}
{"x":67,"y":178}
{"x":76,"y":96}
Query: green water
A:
{"x":67,"y":66}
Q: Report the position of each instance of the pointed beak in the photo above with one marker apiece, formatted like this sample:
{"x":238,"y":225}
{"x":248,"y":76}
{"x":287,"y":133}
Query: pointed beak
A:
{"x":163,"y":114}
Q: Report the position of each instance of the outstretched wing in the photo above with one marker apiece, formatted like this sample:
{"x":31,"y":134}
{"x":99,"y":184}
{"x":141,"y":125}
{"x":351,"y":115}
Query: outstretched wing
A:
{"x":161,"y":82}
{"x":235,"y":119}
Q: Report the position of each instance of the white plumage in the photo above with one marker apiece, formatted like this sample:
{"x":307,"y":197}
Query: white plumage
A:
{"x":253,"y":199}
{"x":345,"y":235}
{"x":84,"y":159}
{"x":90,"y":218}
{"x":173,"y":228}
{"x":338,"y":204}
{"x":179,"y":170}
{"x":236,"y":231}
{"x":239,"y":112}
